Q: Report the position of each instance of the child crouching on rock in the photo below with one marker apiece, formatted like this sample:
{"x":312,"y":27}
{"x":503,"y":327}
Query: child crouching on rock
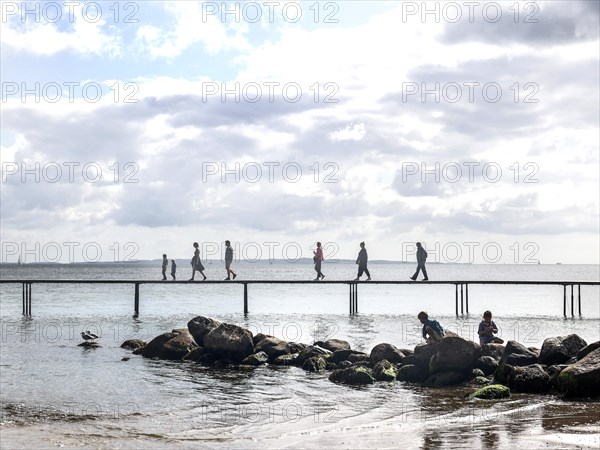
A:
{"x":487,"y":329}
{"x":432,"y":330}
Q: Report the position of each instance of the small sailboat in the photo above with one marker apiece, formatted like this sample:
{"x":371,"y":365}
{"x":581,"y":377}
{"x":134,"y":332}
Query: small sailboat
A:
{"x":19,"y":261}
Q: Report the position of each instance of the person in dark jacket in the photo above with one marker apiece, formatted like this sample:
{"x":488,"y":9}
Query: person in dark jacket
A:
{"x":362,"y":263}
{"x":229,"y":260}
{"x":173,"y":269}
{"x":164,"y":267}
{"x":487,"y":329}
{"x":421,"y":257}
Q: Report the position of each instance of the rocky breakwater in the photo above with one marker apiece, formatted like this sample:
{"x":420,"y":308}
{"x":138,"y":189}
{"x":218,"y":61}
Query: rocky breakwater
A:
{"x":564,"y":364}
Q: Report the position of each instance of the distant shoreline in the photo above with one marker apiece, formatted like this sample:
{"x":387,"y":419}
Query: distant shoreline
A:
{"x":211,"y":261}
{"x":157,"y":261}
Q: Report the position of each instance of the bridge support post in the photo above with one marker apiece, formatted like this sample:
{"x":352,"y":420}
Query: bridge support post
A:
{"x":245,"y":298}
{"x":456,"y":298}
{"x":572,"y":303}
{"x":467,"y":297}
{"x":27,"y":299}
{"x":579,"y":298}
{"x":565,"y":300}
{"x":353,"y":298}
{"x":136,"y":300}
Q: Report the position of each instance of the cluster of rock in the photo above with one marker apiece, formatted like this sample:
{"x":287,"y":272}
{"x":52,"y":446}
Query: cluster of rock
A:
{"x":566,"y":364}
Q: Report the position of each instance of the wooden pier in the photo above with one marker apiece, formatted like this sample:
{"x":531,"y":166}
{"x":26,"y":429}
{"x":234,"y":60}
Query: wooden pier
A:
{"x":463,"y":286}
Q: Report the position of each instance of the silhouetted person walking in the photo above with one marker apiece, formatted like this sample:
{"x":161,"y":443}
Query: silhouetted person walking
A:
{"x":164,"y":267}
{"x":318,"y":259}
{"x":197,"y":263}
{"x":362,"y":263}
{"x":421,"y":257}
{"x":229,"y":260}
{"x":173,"y":269}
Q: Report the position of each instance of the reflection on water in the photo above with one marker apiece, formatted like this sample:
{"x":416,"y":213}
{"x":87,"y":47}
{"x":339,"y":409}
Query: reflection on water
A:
{"x":489,"y":440}
{"x":571,"y":416}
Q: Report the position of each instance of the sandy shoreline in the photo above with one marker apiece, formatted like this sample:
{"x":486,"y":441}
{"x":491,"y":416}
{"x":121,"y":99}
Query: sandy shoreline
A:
{"x":439,"y":419}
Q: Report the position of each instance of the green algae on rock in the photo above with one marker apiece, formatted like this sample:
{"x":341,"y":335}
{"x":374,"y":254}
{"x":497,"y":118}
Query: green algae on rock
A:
{"x":493,"y":392}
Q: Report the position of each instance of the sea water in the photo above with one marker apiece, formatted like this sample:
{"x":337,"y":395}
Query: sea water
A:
{"x":55,"y":393}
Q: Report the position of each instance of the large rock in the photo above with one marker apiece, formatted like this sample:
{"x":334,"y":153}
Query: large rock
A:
{"x":487,"y":364}
{"x":502,"y":373}
{"x":448,"y":378}
{"x":582,"y":379}
{"x":554,"y":372}
{"x":493,"y":350}
{"x":179,"y":346}
{"x":153,"y":348}
{"x":587,"y":350}
{"x":194,"y":355}
{"x":343,"y":355}
{"x":314,"y":364}
{"x":311,"y":351}
{"x":411,"y":373}
{"x":200,"y":326}
{"x":133,"y":344}
{"x":256,"y":359}
{"x":352,"y":375}
{"x":333,"y":345}
{"x":516,"y":354}
{"x":454,"y":354}
{"x":559,"y":349}
{"x":492,"y":392}
{"x":387,"y":352}
{"x":296,"y":347}
{"x":357,"y":358}
{"x":285,"y":360}
{"x":273,"y":347}
{"x":229,"y":341}
{"x":385,"y":371}
{"x":530,"y":379}
{"x":423,"y":354}
{"x":259,"y":337}
{"x":408,"y":360}
{"x":477,"y":373}
{"x":480,"y":380}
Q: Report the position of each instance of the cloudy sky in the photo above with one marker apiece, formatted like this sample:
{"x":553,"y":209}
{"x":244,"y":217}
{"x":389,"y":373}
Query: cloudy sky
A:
{"x":132,"y":129}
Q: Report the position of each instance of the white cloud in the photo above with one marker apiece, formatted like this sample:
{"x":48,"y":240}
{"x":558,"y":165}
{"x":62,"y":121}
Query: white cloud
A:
{"x":41,"y":37}
{"x":355,"y":132}
{"x":190,"y":26}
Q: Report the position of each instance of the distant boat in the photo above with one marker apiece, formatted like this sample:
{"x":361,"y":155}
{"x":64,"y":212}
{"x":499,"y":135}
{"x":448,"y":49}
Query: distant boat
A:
{"x":19,"y":261}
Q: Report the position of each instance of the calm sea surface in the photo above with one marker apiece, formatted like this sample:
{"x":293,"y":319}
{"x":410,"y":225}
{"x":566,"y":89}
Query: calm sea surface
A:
{"x":54,"y":393}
